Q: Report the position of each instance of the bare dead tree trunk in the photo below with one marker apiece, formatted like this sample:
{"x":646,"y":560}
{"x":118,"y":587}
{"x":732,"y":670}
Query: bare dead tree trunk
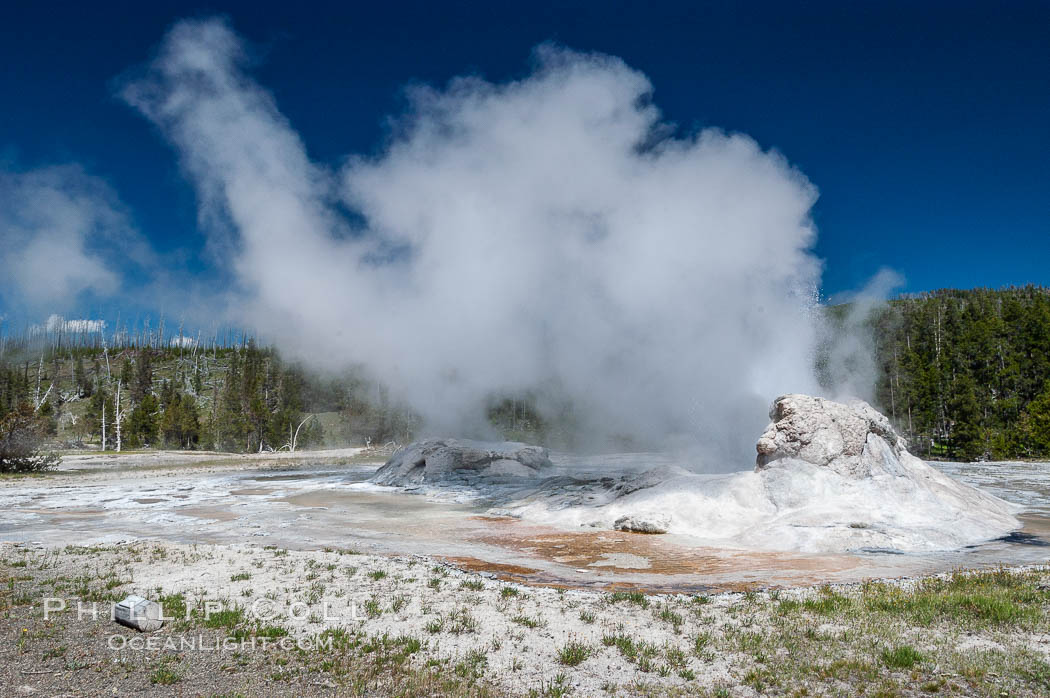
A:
{"x":41,"y":401}
{"x":295,"y":437}
{"x":119,"y":416}
{"x":39,"y":370}
{"x":896,"y":377}
{"x":73,"y":423}
{"x":105,"y":352}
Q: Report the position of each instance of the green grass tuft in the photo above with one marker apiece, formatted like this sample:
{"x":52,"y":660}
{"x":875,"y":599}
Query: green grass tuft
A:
{"x":902,"y":657}
{"x":573,"y":653}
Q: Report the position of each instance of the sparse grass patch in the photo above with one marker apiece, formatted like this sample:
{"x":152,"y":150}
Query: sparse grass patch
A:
{"x":527,"y":621}
{"x":628,"y":650}
{"x":760,"y":678}
{"x":372,"y":608}
{"x":573,"y":653}
{"x":635,"y":597}
{"x":848,"y":669}
{"x":271,"y":631}
{"x":472,"y":665}
{"x":460,"y":622}
{"x":997,"y":597}
{"x":901,"y":657}
{"x":675,"y":657}
{"x":669,"y":616}
{"x":409,"y":644}
{"x":340,"y":638}
{"x":227,"y":618}
{"x":164,"y":676}
{"x":701,"y":643}
{"x":1035,"y":671}
{"x":555,"y":688}
{"x":828,"y":603}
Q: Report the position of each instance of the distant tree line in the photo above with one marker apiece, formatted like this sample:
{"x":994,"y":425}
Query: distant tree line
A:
{"x":240,"y":398}
{"x":962,"y":374}
{"x":966,"y":374}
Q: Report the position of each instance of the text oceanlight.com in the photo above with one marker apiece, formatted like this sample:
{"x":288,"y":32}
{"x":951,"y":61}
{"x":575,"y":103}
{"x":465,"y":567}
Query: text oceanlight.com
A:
{"x":202,"y":643}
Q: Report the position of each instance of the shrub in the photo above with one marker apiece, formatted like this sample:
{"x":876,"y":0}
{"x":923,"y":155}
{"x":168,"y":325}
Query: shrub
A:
{"x":22,"y":432}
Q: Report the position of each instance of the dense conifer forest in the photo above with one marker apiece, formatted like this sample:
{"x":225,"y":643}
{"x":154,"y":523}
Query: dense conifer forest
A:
{"x":966,"y":374}
{"x":962,"y":374}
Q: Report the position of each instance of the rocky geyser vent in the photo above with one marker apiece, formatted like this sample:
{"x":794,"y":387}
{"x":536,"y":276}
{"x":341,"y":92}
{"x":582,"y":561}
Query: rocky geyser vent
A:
{"x":843,"y":437}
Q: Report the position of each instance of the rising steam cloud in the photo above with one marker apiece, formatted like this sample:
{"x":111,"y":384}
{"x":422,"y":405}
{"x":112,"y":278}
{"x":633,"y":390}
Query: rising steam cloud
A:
{"x":547,"y":234}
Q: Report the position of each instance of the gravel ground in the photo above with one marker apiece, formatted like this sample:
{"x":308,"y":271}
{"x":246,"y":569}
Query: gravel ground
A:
{"x":258,"y":621}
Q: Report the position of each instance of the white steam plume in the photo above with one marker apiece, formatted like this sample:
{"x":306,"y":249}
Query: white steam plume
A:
{"x":544,"y":233}
{"x":849,"y":343}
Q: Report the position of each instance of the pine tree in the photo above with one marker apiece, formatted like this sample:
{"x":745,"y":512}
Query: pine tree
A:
{"x":141,"y":424}
{"x":1036,"y":424}
{"x":125,"y":372}
{"x":142,"y":385}
{"x":80,"y":380}
{"x":180,"y":423}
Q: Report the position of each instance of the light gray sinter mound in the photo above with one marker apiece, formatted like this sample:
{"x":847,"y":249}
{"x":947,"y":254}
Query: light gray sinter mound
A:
{"x":458,"y":461}
{"x":830,"y":477}
{"x":643,"y":523}
{"x":843,"y":437}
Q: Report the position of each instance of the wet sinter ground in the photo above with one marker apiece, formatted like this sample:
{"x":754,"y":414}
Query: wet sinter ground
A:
{"x":304,"y":506}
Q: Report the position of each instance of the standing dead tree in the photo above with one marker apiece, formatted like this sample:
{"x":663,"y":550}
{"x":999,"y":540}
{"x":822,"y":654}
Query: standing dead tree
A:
{"x":119,"y":416}
{"x":294,"y":437}
{"x":41,"y":400}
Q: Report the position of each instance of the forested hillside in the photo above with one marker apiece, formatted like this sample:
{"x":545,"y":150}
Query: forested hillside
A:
{"x":966,"y":374}
{"x":962,"y":374}
{"x":232,"y":398}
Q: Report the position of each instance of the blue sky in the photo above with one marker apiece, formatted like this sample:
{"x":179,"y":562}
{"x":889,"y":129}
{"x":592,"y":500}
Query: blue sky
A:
{"x":923,"y":125}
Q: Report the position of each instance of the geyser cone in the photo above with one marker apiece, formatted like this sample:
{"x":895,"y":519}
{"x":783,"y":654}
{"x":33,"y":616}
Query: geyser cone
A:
{"x":831,"y":477}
